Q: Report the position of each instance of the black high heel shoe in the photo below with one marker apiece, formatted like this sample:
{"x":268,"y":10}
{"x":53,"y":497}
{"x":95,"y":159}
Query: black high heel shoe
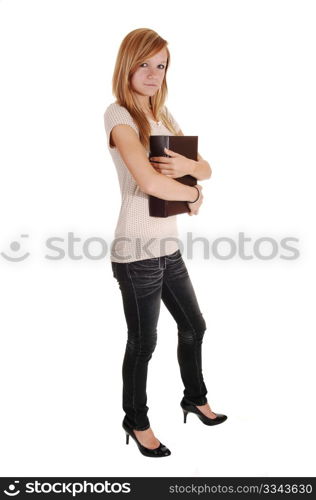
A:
{"x":190,"y":408}
{"x":161,"y":451}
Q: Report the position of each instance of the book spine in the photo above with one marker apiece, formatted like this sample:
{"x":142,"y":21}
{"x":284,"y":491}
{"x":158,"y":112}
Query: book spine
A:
{"x":166,"y":201}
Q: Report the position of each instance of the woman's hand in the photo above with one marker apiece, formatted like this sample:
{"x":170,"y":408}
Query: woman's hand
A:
{"x":176,"y":166}
{"x":194,"y":207}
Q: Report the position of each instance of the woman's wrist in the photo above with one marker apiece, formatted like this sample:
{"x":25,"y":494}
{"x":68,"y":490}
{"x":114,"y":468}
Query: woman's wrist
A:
{"x":196,"y":195}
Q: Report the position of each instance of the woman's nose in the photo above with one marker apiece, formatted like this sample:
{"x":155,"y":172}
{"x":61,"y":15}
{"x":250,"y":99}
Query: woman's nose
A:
{"x":152,"y":72}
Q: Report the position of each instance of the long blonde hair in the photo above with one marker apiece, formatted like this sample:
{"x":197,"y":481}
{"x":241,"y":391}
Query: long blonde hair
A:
{"x":138,"y":45}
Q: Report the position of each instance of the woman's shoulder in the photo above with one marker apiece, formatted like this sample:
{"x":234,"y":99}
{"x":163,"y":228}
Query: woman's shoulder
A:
{"x":115,"y":114}
{"x":115,"y":111}
{"x":115,"y":107}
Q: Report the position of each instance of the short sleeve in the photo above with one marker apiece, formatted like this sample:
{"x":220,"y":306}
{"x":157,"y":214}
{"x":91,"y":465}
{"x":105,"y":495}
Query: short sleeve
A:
{"x":173,"y":120}
{"x":117,"y":115}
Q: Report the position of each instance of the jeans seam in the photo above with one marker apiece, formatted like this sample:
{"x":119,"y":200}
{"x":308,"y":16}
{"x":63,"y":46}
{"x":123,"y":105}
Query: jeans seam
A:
{"x":195,"y":336}
{"x":140,"y":336}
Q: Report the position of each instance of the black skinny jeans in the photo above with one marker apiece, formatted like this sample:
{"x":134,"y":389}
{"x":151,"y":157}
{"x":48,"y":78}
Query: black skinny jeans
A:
{"x":143,"y":284}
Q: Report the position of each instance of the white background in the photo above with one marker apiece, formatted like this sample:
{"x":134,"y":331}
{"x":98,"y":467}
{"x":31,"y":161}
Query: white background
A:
{"x":242,"y":78}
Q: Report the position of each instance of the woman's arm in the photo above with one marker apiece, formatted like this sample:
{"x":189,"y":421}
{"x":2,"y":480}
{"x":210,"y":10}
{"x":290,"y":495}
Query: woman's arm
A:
{"x":148,"y":179}
{"x":201,"y":169}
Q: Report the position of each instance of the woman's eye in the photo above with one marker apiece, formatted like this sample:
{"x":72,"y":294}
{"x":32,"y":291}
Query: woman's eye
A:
{"x":142,"y":65}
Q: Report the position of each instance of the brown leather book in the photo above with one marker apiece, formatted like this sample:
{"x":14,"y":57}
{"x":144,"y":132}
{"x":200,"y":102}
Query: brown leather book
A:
{"x":186,"y":145}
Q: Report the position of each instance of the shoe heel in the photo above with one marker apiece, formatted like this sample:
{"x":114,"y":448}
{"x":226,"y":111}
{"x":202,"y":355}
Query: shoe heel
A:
{"x":185,"y":413}
{"x":127,"y":437}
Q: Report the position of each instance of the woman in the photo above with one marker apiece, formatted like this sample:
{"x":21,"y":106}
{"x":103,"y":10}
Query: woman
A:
{"x":145,"y":255}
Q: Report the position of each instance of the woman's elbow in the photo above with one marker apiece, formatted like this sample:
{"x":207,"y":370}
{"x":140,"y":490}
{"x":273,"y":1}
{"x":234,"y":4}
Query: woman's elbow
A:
{"x":146,"y":186}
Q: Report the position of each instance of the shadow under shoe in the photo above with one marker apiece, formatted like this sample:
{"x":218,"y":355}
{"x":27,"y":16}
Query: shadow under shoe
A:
{"x":161,"y":451}
{"x":191,"y":408}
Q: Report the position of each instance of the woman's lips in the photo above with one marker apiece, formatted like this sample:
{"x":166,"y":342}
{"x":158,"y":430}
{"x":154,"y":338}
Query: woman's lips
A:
{"x":150,"y":85}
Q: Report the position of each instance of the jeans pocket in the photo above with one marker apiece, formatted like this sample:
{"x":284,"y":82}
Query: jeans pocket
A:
{"x":175,"y":256}
{"x":146,"y":266}
{"x":145,"y":272}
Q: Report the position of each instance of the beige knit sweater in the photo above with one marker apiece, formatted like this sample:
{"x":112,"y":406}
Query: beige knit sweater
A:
{"x":137,"y":235}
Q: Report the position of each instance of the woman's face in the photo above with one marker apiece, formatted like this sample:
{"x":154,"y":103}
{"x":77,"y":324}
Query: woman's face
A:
{"x":149,"y":75}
